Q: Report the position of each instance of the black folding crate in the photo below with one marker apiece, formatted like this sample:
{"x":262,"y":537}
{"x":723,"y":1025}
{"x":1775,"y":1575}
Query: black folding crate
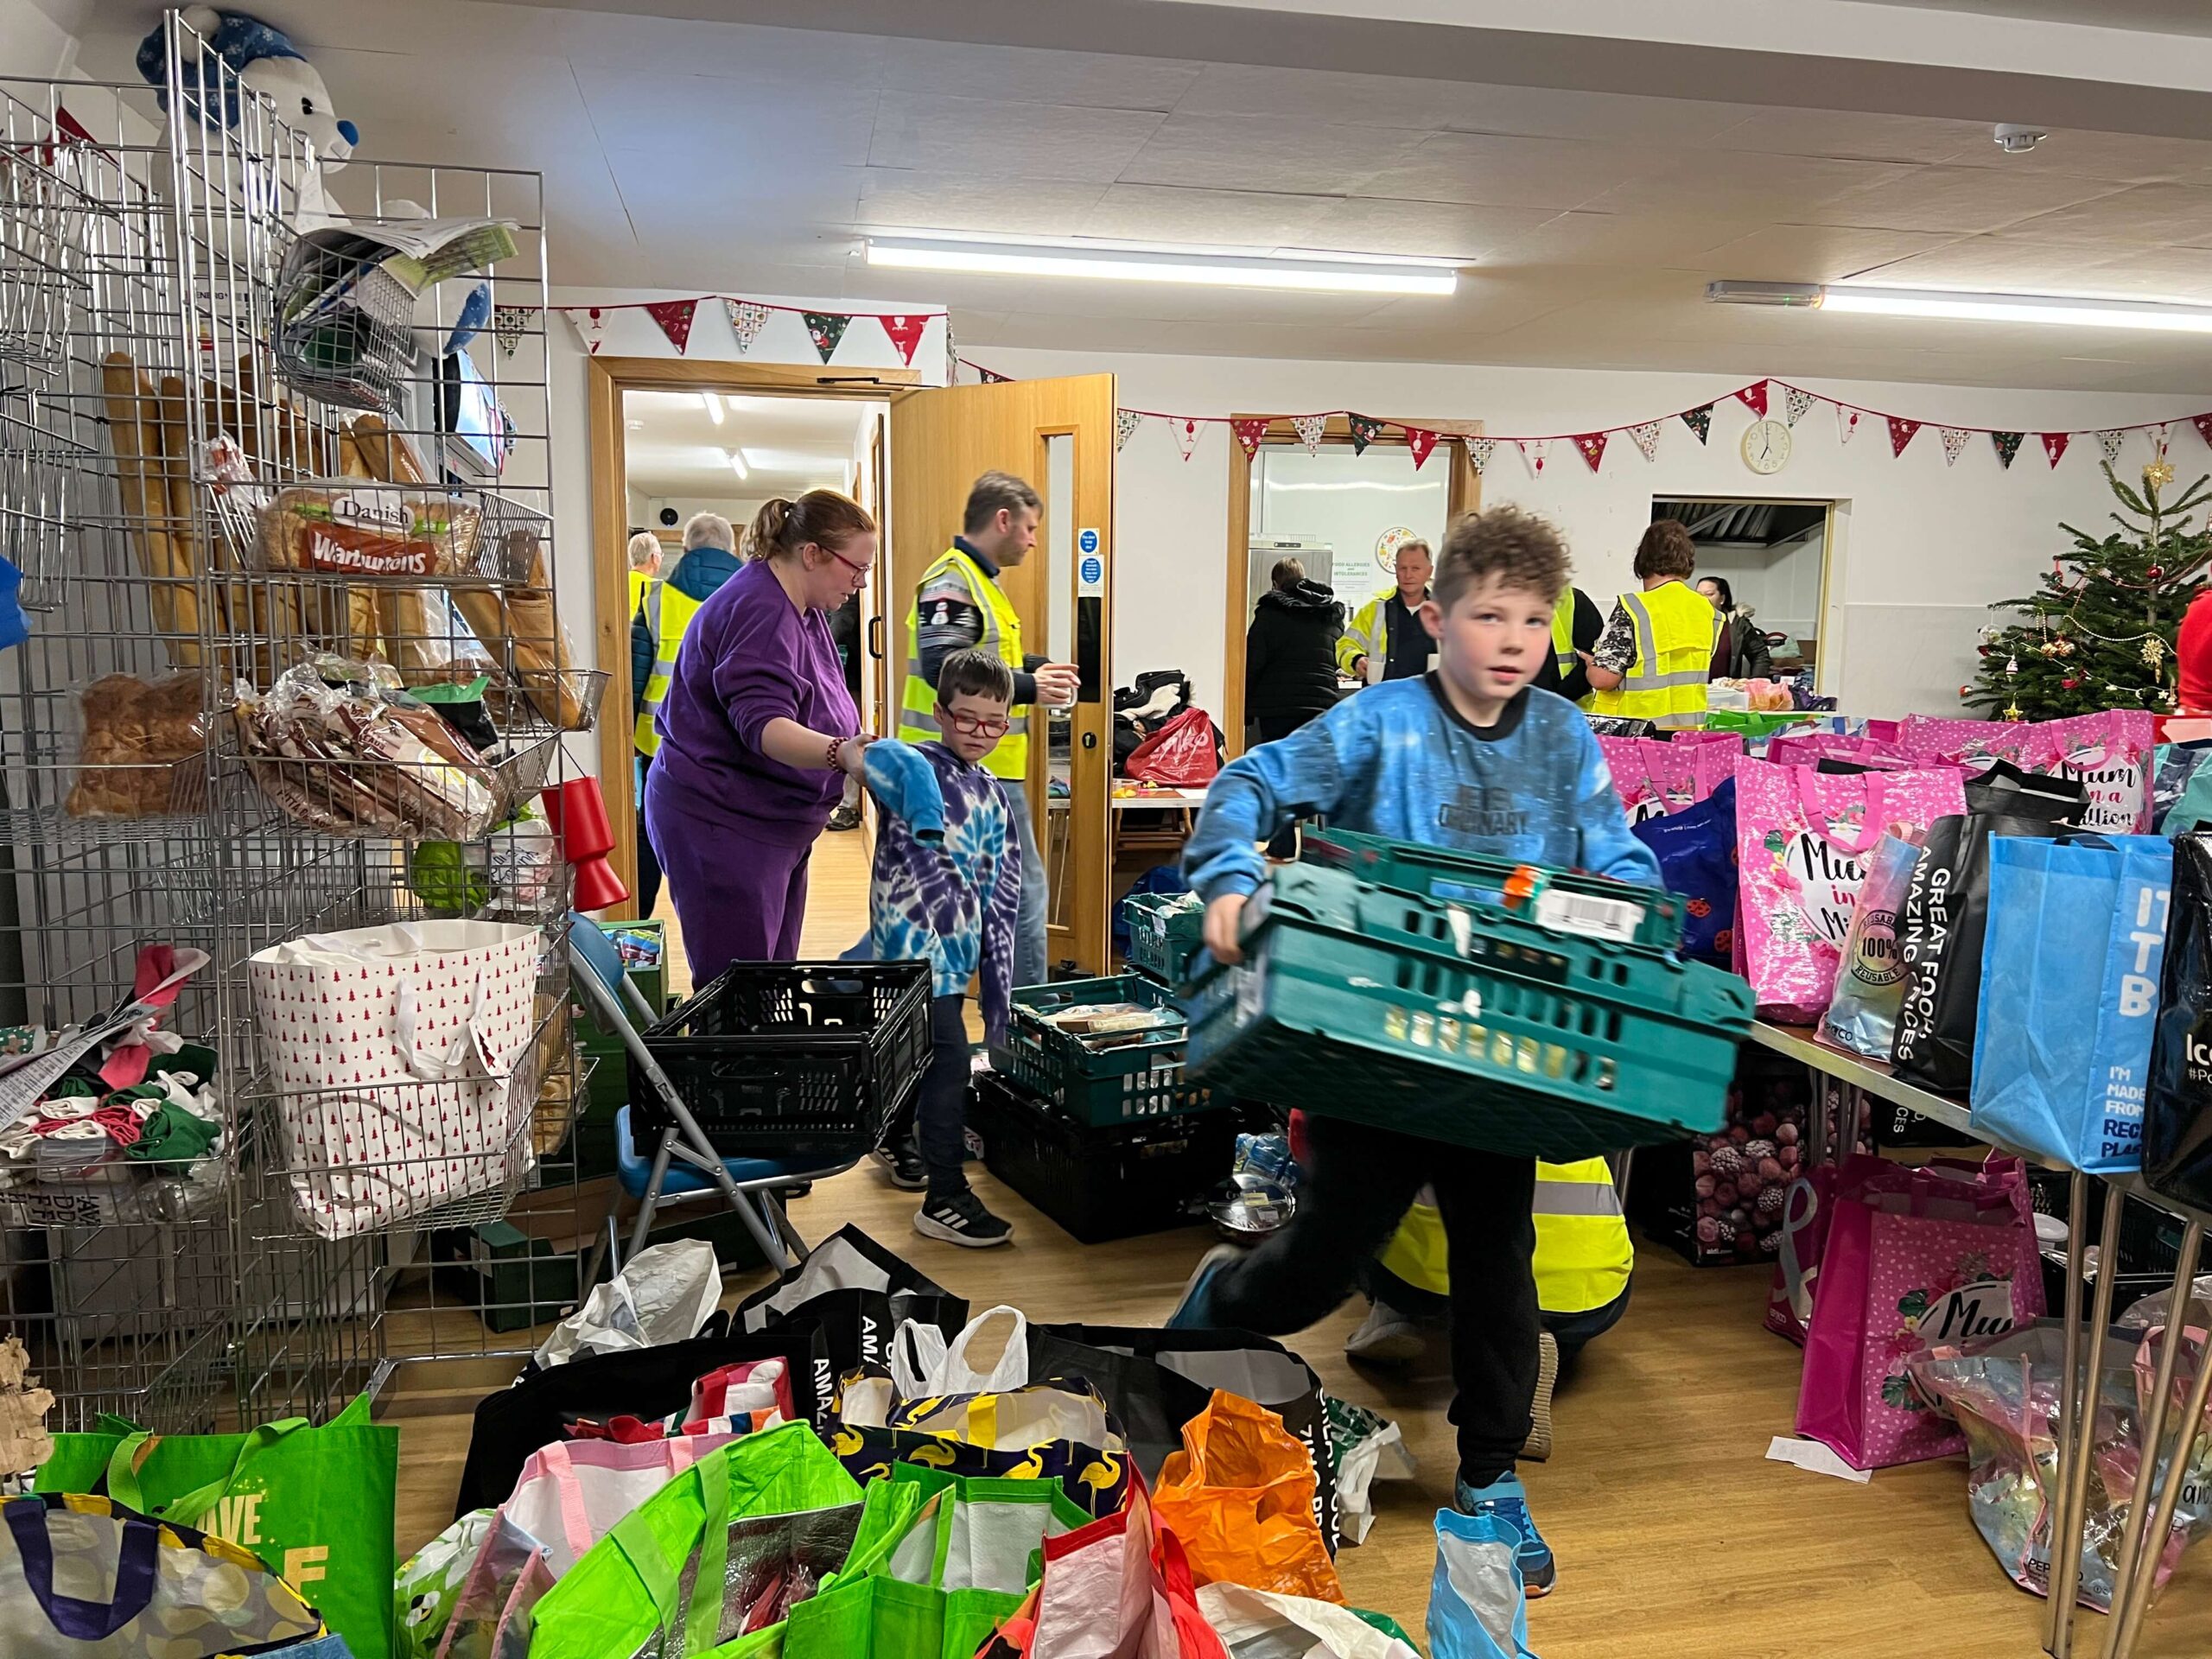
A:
{"x":783,"y":1059}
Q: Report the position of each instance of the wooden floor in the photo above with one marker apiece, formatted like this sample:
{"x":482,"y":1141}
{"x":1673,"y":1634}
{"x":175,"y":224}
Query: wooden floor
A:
{"x":1675,"y":1537}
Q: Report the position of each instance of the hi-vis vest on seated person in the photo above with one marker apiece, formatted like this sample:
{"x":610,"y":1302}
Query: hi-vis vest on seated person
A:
{"x":1583,"y":1252}
{"x":1676,"y":629}
{"x":668,"y":611}
{"x":1001,"y":637}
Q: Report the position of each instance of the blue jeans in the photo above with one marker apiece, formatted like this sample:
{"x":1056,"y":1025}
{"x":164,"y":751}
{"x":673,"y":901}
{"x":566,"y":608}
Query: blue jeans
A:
{"x":1029,"y":964}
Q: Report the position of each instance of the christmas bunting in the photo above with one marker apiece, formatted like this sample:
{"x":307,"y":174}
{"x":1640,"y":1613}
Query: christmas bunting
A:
{"x":1646,"y":434}
{"x":1754,"y":397}
{"x":992,"y":377}
{"x":1955,"y":440}
{"x":1593,"y":446}
{"x":1478,"y":453}
{"x":2109,"y":442}
{"x":1901,"y":431}
{"x":1420,"y":442}
{"x":1126,"y":421}
{"x":746,"y":322}
{"x":674,"y":317}
{"x":508,"y":324}
{"x":2007,"y":446}
{"x":906,"y":334}
{"x":1796,"y":402}
{"x":2054,"y":444}
{"x":1250,"y":435}
{"x":1363,"y":432}
{"x":2203,"y":425}
{"x":1847,"y":424}
{"x":1533,"y":449}
{"x":1186,"y":435}
{"x":1309,"y":429}
{"x":1699,"y":420}
{"x":826,"y":328}
{"x":591,"y":326}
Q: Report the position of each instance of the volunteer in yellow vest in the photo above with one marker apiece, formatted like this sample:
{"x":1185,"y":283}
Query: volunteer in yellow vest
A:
{"x":1655,"y":654}
{"x":1576,"y":625}
{"x":644,"y":566}
{"x":659,"y":613}
{"x":1386,"y":640}
{"x":645,"y":578}
{"x":959,"y":606}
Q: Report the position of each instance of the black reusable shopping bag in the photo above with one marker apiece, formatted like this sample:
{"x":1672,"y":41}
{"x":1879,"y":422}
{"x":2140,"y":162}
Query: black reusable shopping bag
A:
{"x":2177,"y":1101}
{"x":859,"y":1293}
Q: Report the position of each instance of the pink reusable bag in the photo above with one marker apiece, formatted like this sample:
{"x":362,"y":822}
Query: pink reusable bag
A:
{"x":1812,"y":748}
{"x":1655,"y":777}
{"x":1914,"y":1258}
{"x":2110,"y":753}
{"x":1975,"y":743}
{"x":1803,"y":840}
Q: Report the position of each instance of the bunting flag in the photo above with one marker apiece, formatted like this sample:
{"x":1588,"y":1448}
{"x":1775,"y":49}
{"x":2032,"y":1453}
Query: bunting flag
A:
{"x":1794,"y":402}
{"x":1126,"y":422}
{"x":993,"y":377}
{"x":1699,"y":420}
{"x":2203,"y":425}
{"x":2109,"y":442}
{"x":591,"y":326}
{"x":1363,"y":432}
{"x":1954,"y":442}
{"x":674,"y":317}
{"x":1479,"y":451}
{"x":1250,"y":435}
{"x":1420,"y":441}
{"x":508,"y":324}
{"x":1754,"y":397}
{"x":2054,"y":444}
{"x":1901,"y":431}
{"x":1309,"y":429}
{"x":1647,"y":438}
{"x":826,"y":328}
{"x":906,"y":334}
{"x":746,"y":322}
{"x":1186,"y":435}
{"x":2007,"y":445}
{"x":1533,"y":449}
{"x":1847,"y":424}
{"x":1593,"y":446}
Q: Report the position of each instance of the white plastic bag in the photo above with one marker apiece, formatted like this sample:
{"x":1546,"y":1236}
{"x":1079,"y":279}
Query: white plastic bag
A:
{"x":1261,"y":1622}
{"x":663,"y":1294}
{"x":923,"y":1364}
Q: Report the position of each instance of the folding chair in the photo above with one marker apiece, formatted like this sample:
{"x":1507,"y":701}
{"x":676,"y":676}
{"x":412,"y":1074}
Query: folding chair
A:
{"x":684,"y":1165}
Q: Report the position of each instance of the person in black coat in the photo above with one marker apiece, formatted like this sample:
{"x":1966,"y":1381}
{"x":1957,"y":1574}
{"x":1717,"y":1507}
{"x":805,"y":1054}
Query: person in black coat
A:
{"x":1742,"y":653}
{"x":1290,"y":662}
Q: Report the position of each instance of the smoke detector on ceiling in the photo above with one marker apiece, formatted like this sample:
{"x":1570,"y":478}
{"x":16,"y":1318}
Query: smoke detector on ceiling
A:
{"x":2016,"y":140}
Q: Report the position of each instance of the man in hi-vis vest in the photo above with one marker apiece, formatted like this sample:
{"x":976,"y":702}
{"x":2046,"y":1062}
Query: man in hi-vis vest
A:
{"x":959,"y":606}
{"x":1656,"y":655}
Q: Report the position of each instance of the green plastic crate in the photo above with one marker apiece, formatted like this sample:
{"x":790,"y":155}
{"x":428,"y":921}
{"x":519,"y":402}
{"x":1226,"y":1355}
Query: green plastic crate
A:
{"x":1100,"y":1089}
{"x":1164,"y":933}
{"x":1463,"y":1023}
{"x":1459,"y":878}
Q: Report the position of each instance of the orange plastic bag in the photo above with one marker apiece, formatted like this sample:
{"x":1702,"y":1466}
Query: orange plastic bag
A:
{"x":1240,"y":1497}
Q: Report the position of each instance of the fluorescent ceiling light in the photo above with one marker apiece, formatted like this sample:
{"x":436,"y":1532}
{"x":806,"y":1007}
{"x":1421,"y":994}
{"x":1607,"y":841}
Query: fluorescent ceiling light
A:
{"x":1963,"y":306}
{"x":793,"y":461}
{"x":737,"y":463}
{"x":714,"y":407}
{"x":1323,"y":273}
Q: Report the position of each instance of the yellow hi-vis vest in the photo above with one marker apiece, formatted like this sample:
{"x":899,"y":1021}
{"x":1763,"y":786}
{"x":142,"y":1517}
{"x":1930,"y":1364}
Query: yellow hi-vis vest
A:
{"x":1563,"y":634}
{"x":1001,"y":637}
{"x":668,"y":611}
{"x":638,"y":582}
{"x":1674,"y":657}
{"x":1583,"y":1253}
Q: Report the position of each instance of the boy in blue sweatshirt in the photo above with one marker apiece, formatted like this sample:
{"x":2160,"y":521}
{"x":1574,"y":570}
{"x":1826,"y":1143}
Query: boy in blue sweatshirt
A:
{"x":1471,"y":756}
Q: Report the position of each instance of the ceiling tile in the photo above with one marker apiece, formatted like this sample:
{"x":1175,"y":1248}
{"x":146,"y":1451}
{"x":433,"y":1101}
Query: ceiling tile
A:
{"x":1034,"y":75}
{"x":1999,"y":262}
{"x":1587,"y":238}
{"x":2117,"y":157}
{"x":2147,"y":216}
{"x":771,"y":126}
{"x":624,"y":41}
{"x":1605,"y":117}
{"x":1815,"y":254}
{"x":1284,"y":153}
{"x":1485,"y":169}
{"x":1962,"y":198}
{"x":2154,"y":273}
{"x":958,"y":202}
{"x":1746,"y":183}
{"x":1432,"y":230}
{"x":996,"y":138}
{"x":1248,"y":218}
{"x":1854,"y":135}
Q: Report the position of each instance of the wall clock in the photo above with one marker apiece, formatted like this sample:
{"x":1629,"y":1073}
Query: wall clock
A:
{"x":1766,"y":447}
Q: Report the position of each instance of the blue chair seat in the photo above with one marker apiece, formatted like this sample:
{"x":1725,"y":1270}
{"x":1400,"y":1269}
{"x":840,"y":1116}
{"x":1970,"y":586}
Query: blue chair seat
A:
{"x":633,"y":1166}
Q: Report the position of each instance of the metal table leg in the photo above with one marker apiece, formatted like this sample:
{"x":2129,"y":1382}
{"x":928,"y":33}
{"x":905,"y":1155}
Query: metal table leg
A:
{"x":2074,"y":1443}
{"x":2066,"y":1564}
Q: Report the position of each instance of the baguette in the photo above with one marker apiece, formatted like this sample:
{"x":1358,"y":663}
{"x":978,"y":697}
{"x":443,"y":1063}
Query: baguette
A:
{"x":181,"y":506}
{"x":134,"y":433}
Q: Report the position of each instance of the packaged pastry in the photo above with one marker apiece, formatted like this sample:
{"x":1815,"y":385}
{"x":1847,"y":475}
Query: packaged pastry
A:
{"x":353,"y":527}
{"x":144,"y":748}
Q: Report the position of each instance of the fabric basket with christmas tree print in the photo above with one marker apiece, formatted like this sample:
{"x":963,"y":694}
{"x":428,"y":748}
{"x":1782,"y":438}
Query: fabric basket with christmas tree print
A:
{"x":1914,"y":1258}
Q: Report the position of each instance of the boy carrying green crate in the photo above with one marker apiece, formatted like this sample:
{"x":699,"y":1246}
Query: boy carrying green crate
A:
{"x":1471,"y":756}
{"x":946,"y":889}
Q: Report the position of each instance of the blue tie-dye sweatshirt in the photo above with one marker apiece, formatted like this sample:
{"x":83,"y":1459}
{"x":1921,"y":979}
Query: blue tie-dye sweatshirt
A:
{"x":1396,"y":760}
{"x":947,"y":882}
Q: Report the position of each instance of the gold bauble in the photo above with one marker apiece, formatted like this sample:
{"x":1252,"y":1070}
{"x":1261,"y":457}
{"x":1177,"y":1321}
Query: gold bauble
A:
{"x":2157,"y":473}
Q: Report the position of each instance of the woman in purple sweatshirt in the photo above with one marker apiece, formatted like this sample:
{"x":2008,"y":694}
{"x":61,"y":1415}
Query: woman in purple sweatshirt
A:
{"x":758,"y":733}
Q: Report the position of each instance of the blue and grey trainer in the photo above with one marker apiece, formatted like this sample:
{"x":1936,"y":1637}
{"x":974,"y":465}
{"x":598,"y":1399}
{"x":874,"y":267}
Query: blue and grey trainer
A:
{"x":1508,"y":1499}
{"x":1195,"y":1312}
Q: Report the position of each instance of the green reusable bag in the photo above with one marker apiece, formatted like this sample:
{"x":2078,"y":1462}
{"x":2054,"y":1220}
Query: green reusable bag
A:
{"x":315,"y":1504}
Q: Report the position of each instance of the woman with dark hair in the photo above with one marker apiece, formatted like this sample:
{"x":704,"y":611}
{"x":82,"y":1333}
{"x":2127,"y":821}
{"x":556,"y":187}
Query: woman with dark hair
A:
{"x":1290,"y":662}
{"x":1743,"y":653}
{"x":758,"y":733}
{"x":1656,"y":655}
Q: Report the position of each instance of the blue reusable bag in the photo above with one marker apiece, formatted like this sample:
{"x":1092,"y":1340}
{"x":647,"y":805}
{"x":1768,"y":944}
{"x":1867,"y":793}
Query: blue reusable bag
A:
{"x":1477,"y":1608}
{"x":2069,"y":995}
{"x":1696,"y":850}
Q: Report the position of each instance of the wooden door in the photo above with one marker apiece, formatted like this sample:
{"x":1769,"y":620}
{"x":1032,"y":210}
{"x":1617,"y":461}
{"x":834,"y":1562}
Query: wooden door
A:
{"x":1041,"y":430}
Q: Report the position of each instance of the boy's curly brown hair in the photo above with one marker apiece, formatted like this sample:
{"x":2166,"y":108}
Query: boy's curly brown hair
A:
{"x":1522,"y":550}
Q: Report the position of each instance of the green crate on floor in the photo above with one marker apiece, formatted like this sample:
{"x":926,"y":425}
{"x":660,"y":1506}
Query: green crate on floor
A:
{"x":1458,"y":877}
{"x":1099,"y":1088}
{"x":513,"y":1279}
{"x":1463,"y":1023}
{"x":1165,"y":930}
{"x":610,"y":1079}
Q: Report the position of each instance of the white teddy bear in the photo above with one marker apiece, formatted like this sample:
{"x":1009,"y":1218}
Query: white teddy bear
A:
{"x":264,"y":62}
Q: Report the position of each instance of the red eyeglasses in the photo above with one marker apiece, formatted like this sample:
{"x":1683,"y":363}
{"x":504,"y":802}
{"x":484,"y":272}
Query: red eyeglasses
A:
{"x":978,"y":725}
{"x":861,"y":572}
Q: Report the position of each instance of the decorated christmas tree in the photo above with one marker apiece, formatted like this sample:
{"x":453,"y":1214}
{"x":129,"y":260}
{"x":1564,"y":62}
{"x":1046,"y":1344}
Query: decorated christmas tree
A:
{"x":2100,"y":633}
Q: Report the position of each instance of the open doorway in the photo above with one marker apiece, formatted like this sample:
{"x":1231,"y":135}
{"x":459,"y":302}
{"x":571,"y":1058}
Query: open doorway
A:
{"x":1770,"y":560}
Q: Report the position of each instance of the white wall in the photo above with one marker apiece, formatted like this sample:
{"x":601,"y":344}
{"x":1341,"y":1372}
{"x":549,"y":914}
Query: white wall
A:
{"x":1780,"y":586}
{"x":40,"y":39}
{"x":1929,"y":547}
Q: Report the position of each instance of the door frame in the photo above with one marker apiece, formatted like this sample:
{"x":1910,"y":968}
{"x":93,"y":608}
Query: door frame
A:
{"x":1835,"y":536}
{"x":607,"y":378}
{"x":1463,"y":493}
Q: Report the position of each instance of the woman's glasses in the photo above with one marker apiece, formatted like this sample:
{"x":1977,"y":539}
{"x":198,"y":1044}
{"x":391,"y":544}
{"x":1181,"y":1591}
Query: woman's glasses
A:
{"x":979,"y":725}
{"x":860,"y":572}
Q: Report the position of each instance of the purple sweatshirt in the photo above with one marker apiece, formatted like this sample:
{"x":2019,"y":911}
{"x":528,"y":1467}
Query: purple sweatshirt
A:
{"x":749,"y":656}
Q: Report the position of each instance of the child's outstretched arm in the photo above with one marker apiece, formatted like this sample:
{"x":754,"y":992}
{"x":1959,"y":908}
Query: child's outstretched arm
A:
{"x":905,"y":785}
{"x":1609,"y":848}
{"x":1259,"y":792}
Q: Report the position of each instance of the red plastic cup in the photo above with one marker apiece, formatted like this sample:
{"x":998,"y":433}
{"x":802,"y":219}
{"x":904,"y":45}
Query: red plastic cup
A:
{"x":597,"y":886}
{"x":577,"y":812}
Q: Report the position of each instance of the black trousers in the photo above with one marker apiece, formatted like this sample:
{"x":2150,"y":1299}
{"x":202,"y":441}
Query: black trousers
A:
{"x":1572,"y":1332}
{"x":1273,"y":729}
{"x":1357,"y":1186}
{"x":938,"y":1122}
{"x":648,"y":860}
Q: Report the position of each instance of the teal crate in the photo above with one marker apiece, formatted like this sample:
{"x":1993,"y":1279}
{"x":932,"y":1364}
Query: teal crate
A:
{"x":1099,"y":1089}
{"x":1463,"y":1023}
{"x":1459,"y":878}
{"x":1164,"y":932}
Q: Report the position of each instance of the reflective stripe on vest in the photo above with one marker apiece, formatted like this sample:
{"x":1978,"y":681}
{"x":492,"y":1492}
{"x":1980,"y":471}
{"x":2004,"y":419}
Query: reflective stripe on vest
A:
{"x":1001,"y":639}
{"x":1666,"y":683}
{"x":1563,"y":635}
{"x":668,"y":612}
{"x":1583,"y":1255}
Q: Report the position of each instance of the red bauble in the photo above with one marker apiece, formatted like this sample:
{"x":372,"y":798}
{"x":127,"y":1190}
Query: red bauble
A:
{"x":2156,"y":571}
{"x":2070,"y":684}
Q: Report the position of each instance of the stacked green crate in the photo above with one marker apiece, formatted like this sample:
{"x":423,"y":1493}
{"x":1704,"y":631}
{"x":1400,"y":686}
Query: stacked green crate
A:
{"x":610,"y":1079}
